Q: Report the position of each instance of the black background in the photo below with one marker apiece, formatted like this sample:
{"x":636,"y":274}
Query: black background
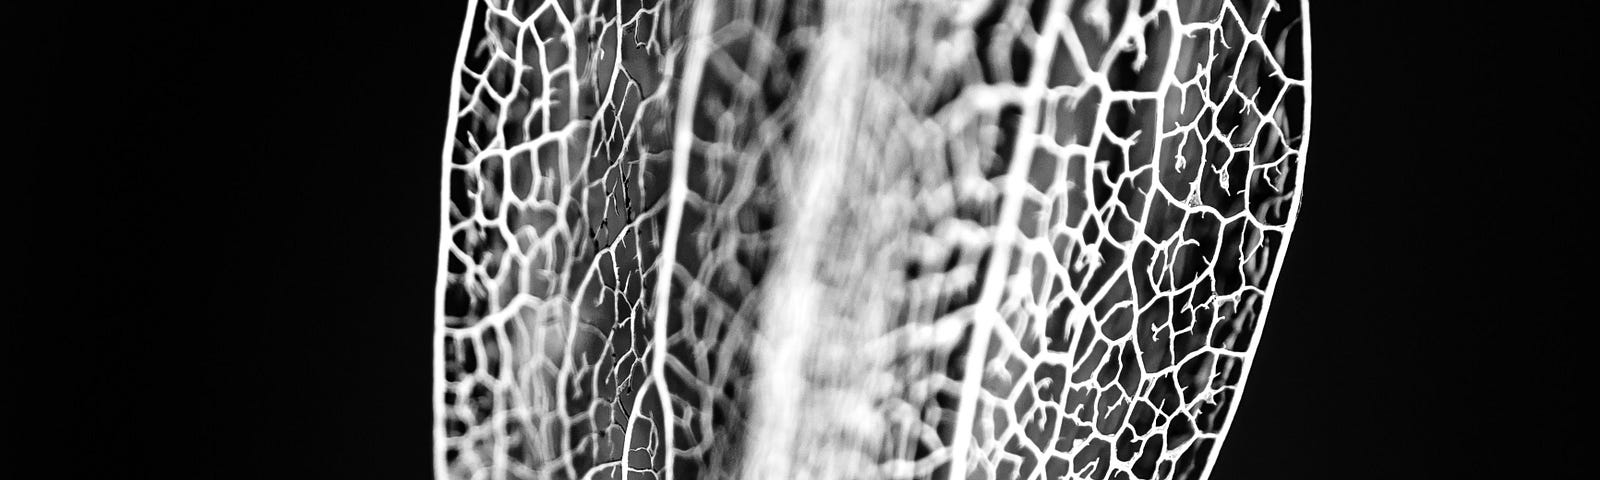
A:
{"x":229,"y":244}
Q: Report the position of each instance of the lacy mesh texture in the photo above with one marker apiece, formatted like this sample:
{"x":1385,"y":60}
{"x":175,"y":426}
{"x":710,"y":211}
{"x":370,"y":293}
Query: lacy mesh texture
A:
{"x":848,"y":239}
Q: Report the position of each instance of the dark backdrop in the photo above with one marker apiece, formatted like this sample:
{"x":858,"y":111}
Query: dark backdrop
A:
{"x":231,"y":210}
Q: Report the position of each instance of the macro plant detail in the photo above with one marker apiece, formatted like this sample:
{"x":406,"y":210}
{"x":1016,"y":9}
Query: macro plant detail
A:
{"x":861,"y":239}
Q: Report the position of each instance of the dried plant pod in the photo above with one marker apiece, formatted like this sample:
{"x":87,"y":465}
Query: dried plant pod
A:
{"x":861,"y":239}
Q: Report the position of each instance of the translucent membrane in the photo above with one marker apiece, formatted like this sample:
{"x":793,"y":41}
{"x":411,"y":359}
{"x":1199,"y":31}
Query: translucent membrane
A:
{"x":861,"y":239}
